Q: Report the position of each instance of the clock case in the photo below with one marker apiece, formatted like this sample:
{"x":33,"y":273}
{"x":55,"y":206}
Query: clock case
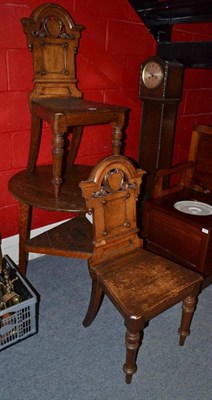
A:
{"x":159,"y":111}
{"x":171,"y":85}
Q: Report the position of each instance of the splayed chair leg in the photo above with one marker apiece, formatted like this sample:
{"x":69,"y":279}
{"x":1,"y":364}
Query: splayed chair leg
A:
{"x":97,"y":295}
{"x":132,"y":342}
{"x":75,"y":143}
{"x":188,"y":308}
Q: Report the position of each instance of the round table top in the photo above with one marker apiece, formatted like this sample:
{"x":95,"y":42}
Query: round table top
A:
{"x":37,"y":190}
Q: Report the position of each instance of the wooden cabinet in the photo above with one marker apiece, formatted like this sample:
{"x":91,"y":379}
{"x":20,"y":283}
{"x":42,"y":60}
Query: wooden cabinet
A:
{"x":184,"y":238}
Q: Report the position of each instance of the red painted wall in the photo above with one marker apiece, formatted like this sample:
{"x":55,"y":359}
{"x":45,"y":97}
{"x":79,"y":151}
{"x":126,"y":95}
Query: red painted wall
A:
{"x":196,"y":103}
{"x":112,"y":47}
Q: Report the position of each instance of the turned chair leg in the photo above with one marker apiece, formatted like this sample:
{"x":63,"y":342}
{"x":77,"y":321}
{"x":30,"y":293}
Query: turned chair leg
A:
{"x":24,"y":221}
{"x":132,"y":342}
{"x":97,"y":295}
{"x":188,"y":308}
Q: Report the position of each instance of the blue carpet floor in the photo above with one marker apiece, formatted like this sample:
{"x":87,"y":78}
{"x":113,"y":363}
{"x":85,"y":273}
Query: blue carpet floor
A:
{"x":66,"y":361}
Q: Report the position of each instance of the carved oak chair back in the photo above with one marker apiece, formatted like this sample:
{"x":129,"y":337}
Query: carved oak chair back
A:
{"x":111,"y":194}
{"x":53,"y":38}
{"x":140,"y":284}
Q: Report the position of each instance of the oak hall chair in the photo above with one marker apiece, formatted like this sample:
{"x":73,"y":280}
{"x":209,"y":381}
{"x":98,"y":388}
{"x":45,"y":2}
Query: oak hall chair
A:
{"x":140,"y":284}
{"x":177,"y":221}
{"x":53,"y":40}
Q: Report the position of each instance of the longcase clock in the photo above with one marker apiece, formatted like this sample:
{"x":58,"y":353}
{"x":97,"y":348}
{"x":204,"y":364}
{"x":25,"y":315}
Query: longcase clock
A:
{"x":160,"y":90}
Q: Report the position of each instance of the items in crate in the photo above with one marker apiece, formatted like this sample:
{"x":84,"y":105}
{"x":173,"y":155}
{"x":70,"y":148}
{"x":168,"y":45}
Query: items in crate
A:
{"x":17,"y":305}
{"x":8,"y":297}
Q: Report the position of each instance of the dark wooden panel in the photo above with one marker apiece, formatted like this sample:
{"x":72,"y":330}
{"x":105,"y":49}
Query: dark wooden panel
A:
{"x":190,"y":54}
{"x":160,"y":16}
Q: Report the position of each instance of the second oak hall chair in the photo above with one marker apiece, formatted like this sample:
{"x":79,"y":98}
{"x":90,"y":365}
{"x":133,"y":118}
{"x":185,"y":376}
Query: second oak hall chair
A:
{"x":53,"y":38}
{"x":140,"y":284}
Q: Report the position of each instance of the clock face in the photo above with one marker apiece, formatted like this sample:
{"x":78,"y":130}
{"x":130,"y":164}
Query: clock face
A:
{"x":152,"y":74}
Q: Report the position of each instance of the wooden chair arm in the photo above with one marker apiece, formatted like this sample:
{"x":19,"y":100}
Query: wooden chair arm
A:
{"x":175,"y":169}
{"x":199,"y":187}
{"x":184,"y":172}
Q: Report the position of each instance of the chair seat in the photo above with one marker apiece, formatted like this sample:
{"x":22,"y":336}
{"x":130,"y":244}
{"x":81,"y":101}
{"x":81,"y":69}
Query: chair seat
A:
{"x":78,"y":111}
{"x":156,"y":281}
{"x":167,"y":204}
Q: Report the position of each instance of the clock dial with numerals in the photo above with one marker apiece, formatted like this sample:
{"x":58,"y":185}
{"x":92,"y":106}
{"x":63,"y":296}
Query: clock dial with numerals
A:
{"x":152,"y":74}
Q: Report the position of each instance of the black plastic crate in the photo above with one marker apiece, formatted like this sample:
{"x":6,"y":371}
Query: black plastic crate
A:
{"x":20,"y":320}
